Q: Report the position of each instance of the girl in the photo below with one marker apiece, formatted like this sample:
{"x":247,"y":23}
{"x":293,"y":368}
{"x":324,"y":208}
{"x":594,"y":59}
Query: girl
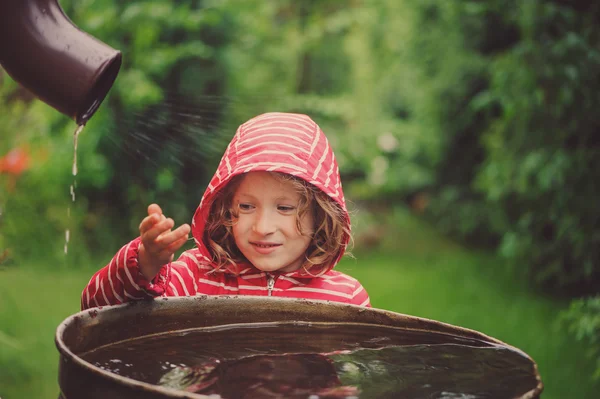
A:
{"x":273,"y":221}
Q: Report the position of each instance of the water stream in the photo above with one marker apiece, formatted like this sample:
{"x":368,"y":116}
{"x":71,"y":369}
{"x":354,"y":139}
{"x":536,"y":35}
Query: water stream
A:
{"x":74,"y":185}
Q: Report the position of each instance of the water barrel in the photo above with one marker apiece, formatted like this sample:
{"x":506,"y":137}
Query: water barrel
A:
{"x":92,"y":330}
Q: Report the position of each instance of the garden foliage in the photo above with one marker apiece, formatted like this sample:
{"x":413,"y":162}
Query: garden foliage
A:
{"x":482,"y":115}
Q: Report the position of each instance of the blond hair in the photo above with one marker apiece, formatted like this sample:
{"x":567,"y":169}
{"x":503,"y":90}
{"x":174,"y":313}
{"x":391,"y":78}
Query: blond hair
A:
{"x":329,"y":236}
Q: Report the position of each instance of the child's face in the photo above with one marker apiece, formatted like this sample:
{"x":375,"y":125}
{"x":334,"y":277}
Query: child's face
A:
{"x":266,"y":231}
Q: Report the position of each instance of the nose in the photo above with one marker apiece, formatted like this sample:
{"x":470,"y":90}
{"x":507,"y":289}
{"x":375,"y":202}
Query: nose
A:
{"x":264,"y":224}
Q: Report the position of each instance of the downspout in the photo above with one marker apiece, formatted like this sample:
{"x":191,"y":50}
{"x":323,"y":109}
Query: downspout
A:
{"x":46,"y":53}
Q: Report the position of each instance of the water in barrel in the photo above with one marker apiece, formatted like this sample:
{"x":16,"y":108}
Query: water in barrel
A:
{"x":318,"y":360}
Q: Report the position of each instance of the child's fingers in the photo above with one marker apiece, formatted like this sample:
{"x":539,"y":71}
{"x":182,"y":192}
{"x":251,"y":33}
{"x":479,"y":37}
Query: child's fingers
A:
{"x":147,"y":223}
{"x":170,"y":249}
{"x":157,"y":229}
{"x":177,"y":244}
{"x":150,"y":221}
{"x":167,"y":239}
{"x":154,"y":208}
{"x":164,"y":254}
{"x":167,"y":243}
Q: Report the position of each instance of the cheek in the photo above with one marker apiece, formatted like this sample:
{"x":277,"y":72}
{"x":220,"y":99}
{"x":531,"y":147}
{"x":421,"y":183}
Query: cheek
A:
{"x":307,"y":224}
{"x":236,"y":228}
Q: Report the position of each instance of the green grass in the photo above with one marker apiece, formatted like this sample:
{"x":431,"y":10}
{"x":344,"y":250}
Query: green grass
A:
{"x":417,"y":273}
{"x":32,"y":305}
{"x":421,"y":274}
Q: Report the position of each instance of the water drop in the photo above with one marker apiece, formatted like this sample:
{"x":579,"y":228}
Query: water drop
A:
{"x":75,"y":136}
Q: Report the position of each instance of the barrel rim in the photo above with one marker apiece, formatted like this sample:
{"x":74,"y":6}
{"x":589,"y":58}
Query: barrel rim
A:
{"x":89,"y":314}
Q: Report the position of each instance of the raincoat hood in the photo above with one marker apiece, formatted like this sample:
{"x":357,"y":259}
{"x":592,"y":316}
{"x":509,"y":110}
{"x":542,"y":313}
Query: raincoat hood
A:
{"x":276,"y":142}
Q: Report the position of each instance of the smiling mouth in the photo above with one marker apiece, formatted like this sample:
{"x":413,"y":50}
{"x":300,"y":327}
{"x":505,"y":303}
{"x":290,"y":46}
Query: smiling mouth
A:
{"x":265,"y":245}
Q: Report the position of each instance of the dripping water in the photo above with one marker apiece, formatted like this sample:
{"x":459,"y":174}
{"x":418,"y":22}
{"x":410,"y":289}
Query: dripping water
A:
{"x":74,"y":185}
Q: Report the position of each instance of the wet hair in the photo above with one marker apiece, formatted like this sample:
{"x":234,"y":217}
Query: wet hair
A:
{"x":329,"y":234}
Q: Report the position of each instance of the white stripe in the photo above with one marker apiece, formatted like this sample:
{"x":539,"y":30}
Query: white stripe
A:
{"x":217,"y":284}
{"x":104,"y":295}
{"x":111,"y":284}
{"x":186,"y":254}
{"x":351,"y":285}
{"x":329,"y":174}
{"x":174,"y":289}
{"x":194,"y":258}
{"x":228,"y":164}
{"x":320,"y":290}
{"x":292,"y":280}
{"x":137,"y":287}
{"x":120,"y":278}
{"x":277,"y":127}
{"x":274,"y":165}
{"x":325,"y":152}
{"x":287,"y":154}
{"x":277,"y":116}
{"x":96,"y":292}
{"x":176,"y":273}
{"x":205,"y":259}
{"x":236,"y":139}
{"x":340,"y":275}
{"x":117,"y":257}
{"x":314,"y":144}
{"x":257,"y":288}
{"x":274,"y":144}
{"x":97,"y":283}
{"x":357,"y":291}
{"x":278,"y":121}
{"x":128,"y":295}
{"x":189,"y":272}
{"x":251,"y":276}
{"x":87,"y":291}
{"x":250,"y":139}
{"x":365,"y":302}
{"x":226,"y":156}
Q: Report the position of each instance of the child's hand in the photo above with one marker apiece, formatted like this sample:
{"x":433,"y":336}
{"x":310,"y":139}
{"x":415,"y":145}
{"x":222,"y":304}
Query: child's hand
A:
{"x":159,"y":243}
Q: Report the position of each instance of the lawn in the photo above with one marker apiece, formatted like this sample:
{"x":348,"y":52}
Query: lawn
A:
{"x":422,"y":274}
{"x":417,"y":273}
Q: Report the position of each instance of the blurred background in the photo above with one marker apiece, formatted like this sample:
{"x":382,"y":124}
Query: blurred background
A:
{"x":467,"y":134}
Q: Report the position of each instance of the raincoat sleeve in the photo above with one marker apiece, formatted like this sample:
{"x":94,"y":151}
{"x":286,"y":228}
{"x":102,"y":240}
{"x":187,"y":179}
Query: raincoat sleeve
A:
{"x":121,"y":280}
{"x":360,"y":296}
{"x":188,"y":275}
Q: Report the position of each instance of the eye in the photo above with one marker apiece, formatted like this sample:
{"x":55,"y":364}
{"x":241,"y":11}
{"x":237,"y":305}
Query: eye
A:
{"x":286,"y":208}
{"x":243,"y":207}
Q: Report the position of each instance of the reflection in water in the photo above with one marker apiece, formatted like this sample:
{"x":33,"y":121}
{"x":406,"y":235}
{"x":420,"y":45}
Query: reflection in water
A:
{"x":324,"y":361}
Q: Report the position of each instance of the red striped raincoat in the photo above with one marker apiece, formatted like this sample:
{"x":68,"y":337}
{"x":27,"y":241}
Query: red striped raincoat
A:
{"x":288,"y":143}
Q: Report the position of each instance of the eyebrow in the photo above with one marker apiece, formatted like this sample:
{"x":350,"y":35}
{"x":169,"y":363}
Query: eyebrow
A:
{"x":280,"y":198}
{"x":244,"y":195}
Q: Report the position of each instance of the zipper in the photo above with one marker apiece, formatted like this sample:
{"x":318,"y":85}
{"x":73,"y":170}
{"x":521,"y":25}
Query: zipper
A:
{"x":270,"y":284}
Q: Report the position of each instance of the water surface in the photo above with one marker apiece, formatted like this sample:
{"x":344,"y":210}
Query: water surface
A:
{"x":310,"y":360}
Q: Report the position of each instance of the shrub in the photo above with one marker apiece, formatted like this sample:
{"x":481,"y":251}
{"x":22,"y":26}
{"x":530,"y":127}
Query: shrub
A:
{"x":582,"y":320}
